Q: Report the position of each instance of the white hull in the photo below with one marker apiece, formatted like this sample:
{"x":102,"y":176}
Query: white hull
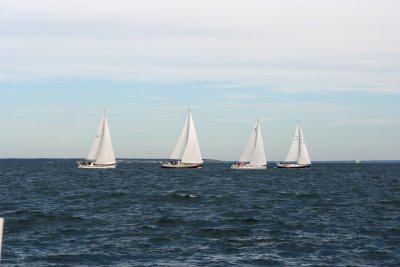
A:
{"x":292,"y":165}
{"x":248,"y":167}
{"x":82,"y":165}
{"x":183,"y":165}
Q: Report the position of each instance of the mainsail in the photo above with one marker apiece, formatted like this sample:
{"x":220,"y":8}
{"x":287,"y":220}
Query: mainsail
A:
{"x":254,"y":152}
{"x":304,"y":158}
{"x":187,"y":148}
{"x":102,"y":151}
{"x":294,"y":149}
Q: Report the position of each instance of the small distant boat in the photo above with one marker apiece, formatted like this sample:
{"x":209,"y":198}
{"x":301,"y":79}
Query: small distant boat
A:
{"x":101,"y":155}
{"x":253,"y":155}
{"x":186,"y":153}
{"x":298,"y":155}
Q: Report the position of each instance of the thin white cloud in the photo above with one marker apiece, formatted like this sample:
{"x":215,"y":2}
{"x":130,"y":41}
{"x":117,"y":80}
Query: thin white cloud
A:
{"x":381,"y":91}
{"x":367,"y":122}
{"x":242,"y":96}
{"x":239,"y":85}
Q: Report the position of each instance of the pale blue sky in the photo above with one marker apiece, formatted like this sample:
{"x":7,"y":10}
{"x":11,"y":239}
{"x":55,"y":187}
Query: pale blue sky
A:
{"x":333,"y":65}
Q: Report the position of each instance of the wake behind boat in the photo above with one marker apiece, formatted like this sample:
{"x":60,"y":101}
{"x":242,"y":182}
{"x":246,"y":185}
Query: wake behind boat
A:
{"x":101,"y":154}
{"x":298,"y":154}
{"x":186,"y":153}
{"x":253,"y":155}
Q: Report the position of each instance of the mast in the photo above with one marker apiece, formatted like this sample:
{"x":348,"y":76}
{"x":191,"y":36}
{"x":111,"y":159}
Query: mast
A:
{"x":255,"y":140}
{"x":188,"y":126}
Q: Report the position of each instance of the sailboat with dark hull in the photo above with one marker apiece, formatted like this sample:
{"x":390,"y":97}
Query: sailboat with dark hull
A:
{"x":253,"y":154}
{"x":186,"y":153}
{"x":101,"y":154}
{"x":298,"y":154}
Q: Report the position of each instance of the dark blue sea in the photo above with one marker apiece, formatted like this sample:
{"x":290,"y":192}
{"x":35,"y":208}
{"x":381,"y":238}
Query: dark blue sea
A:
{"x":141,"y":215}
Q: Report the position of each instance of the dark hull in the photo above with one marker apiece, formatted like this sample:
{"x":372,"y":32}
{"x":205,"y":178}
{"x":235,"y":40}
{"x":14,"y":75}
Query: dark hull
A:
{"x":293,"y":166}
{"x":169,"y":165}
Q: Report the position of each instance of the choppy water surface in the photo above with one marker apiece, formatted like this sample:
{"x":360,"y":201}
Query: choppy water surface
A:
{"x":142,"y":215}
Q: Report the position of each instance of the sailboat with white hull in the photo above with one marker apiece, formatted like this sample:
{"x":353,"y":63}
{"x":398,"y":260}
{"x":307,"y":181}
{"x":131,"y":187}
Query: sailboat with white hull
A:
{"x":253,"y":155}
{"x":298,"y":155}
{"x":101,"y":154}
{"x":186,"y":153}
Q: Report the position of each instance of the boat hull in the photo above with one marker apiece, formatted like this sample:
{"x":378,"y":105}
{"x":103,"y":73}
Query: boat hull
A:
{"x":83,"y":165}
{"x":180,"y":165}
{"x":248,"y":167}
{"x":292,"y":165}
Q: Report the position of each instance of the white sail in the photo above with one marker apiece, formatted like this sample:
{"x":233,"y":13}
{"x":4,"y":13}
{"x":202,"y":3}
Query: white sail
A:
{"x":105,"y":154}
{"x":304,"y":158}
{"x":258,"y":157}
{"x":102,"y":151}
{"x":187,"y":148}
{"x":96,"y":142}
{"x":180,"y":146}
{"x":294,"y":149}
{"x":249,"y":148}
{"x":192,"y":152}
{"x":254,"y":152}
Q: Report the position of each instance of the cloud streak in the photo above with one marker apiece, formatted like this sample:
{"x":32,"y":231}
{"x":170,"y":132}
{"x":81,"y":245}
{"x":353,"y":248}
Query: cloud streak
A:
{"x":368,"y":122}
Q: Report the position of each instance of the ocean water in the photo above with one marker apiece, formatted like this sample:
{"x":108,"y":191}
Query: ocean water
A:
{"x":141,"y":215}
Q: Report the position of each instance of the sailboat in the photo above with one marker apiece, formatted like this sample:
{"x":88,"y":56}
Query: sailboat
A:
{"x":298,"y":155}
{"x":186,"y":153}
{"x":253,"y":155}
{"x":101,"y":154}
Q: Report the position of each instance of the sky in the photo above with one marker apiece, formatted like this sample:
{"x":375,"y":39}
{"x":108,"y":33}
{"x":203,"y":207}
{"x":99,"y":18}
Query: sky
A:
{"x":333,"y":65}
